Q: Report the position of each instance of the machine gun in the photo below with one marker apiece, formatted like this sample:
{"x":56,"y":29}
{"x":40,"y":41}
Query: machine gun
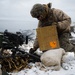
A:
{"x":10,"y":40}
{"x":18,"y":57}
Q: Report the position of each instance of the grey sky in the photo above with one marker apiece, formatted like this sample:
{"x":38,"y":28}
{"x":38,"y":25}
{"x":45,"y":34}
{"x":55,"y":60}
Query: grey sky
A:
{"x":15,"y":14}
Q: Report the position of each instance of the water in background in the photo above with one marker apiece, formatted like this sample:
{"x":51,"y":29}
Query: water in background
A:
{"x":15,"y":25}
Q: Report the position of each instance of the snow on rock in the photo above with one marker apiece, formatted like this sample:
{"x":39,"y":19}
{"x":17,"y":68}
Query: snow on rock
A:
{"x":72,"y":34}
{"x":68,"y":60}
{"x":69,"y":56}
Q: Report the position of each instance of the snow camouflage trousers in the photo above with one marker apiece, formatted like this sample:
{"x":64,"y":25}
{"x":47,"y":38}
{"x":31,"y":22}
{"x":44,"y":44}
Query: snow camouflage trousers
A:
{"x":65,"y":43}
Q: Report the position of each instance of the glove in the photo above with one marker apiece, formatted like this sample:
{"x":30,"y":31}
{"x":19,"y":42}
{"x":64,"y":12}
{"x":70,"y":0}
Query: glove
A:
{"x":32,"y":51}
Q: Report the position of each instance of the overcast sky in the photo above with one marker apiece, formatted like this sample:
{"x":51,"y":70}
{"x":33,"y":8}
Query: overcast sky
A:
{"x":15,"y":14}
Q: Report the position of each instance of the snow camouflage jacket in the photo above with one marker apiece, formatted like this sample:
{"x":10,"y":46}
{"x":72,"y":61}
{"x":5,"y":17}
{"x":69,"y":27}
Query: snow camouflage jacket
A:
{"x":59,"y":18}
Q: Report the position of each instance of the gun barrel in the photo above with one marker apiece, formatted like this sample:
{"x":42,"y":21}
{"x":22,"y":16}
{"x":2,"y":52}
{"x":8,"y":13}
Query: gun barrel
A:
{"x":32,"y":55}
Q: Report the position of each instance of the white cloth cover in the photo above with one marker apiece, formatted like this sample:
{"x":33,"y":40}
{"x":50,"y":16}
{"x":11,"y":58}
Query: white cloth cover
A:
{"x":53,"y":58}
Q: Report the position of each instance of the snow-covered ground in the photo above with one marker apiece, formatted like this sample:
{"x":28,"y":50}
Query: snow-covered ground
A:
{"x":67,"y":68}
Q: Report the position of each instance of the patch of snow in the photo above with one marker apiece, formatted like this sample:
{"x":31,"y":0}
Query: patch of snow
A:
{"x":67,"y":67}
{"x":72,"y":34}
